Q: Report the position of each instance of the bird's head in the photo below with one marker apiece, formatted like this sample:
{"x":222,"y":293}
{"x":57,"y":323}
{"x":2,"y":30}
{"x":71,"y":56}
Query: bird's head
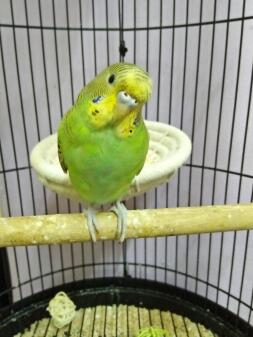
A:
{"x":121,"y":88}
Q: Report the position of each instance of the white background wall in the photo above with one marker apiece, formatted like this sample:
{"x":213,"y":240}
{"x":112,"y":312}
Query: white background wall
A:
{"x":32,"y":101}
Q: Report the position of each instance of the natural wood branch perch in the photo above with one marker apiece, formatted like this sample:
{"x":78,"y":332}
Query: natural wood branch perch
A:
{"x":66,"y":228}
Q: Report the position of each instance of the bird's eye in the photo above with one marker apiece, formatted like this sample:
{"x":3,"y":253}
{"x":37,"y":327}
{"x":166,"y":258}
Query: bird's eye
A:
{"x":111,"y":78}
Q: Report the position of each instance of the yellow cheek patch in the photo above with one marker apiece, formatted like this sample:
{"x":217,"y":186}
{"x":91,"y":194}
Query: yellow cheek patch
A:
{"x":101,"y":113}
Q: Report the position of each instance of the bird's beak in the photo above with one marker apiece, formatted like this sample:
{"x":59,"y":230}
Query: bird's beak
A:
{"x":125,"y":99}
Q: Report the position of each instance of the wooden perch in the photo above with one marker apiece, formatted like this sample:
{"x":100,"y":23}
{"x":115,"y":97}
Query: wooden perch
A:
{"x":66,"y":228}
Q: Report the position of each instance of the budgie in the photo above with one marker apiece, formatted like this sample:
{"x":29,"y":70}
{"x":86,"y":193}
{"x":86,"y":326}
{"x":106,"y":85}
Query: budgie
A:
{"x":103,"y":141}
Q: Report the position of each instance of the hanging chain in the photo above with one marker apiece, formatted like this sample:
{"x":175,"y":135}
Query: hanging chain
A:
{"x":122,"y":44}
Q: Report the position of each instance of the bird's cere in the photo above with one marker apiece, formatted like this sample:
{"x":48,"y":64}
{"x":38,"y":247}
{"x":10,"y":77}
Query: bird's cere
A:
{"x":125,"y":98}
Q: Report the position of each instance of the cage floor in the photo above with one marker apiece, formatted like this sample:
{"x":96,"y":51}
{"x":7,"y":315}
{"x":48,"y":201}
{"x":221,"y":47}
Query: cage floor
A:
{"x":120,"y":307}
{"x":118,"y":321}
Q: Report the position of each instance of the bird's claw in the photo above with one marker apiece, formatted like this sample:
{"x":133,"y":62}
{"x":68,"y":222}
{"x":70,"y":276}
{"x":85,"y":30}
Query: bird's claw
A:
{"x":121,"y":211}
{"x":92,"y":223}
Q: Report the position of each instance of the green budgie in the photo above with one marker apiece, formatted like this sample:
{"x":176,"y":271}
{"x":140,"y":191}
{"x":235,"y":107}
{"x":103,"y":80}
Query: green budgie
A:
{"x":103,"y":141}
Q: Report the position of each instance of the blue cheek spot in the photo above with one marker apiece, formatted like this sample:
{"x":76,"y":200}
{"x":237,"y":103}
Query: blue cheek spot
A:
{"x":97,"y":99}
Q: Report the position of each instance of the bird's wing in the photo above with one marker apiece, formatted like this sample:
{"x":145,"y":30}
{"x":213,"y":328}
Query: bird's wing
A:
{"x":60,"y":156}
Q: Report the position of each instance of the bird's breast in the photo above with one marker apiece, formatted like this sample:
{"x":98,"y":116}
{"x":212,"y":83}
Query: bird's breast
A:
{"x":103,"y":167}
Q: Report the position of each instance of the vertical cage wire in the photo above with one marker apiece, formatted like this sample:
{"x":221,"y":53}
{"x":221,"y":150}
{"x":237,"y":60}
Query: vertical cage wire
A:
{"x":199,"y":54}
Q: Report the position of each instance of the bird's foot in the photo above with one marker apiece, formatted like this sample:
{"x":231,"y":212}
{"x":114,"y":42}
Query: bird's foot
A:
{"x":93,"y":225}
{"x":121,"y":211}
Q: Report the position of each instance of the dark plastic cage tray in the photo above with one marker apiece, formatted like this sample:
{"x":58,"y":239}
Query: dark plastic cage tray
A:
{"x":140,"y":293}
